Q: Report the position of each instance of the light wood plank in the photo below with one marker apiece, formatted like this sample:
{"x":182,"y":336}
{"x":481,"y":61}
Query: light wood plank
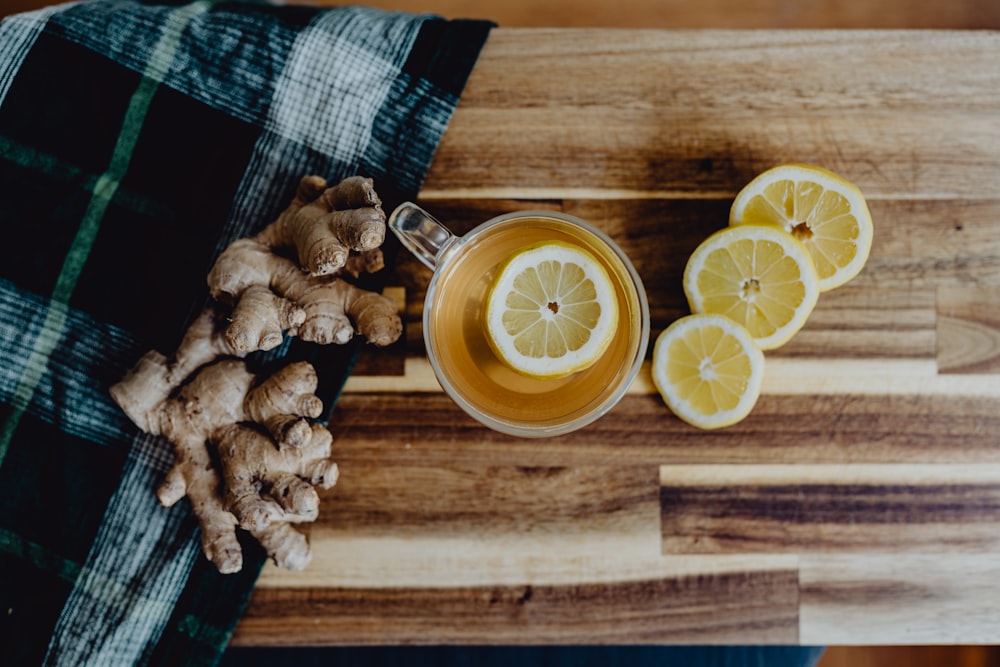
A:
{"x":370,"y":559}
{"x":894,"y":599}
{"x":968,"y":330}
{"x":914,"y":475}
{"x":790,"y":376}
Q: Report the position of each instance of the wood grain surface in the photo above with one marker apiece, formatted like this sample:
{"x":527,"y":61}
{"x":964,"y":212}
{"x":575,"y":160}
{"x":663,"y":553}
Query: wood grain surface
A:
{"x":858,"y":504}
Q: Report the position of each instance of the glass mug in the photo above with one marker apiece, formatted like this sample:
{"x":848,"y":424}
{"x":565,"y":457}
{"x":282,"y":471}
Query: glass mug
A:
{"x":457,"y":348}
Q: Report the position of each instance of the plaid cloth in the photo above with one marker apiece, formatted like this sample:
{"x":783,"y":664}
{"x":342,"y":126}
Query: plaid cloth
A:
{"x":137,"y":141}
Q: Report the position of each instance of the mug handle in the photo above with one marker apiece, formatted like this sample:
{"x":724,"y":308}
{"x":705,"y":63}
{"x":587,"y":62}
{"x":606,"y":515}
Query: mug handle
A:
{"x":420,"y":233}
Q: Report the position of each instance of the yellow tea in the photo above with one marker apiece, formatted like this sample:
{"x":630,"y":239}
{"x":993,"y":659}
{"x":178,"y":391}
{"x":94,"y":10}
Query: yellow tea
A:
{"x":466,"y":365}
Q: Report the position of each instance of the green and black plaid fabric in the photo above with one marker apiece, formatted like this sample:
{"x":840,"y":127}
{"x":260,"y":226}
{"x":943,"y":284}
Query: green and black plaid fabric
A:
{"x":137,"y":141}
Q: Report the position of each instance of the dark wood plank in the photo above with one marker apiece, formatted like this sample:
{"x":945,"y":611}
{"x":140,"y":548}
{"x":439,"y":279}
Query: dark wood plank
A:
{"x":487,"y":499}
{"x":703,"y":112}
{"x":739,"y":607}
{"x":859,"y":322}
{"x":429,"y":429}
{"x":830,"y":509}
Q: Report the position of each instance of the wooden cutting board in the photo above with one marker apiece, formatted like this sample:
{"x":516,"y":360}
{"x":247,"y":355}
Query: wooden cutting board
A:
{"x":860,"y":501}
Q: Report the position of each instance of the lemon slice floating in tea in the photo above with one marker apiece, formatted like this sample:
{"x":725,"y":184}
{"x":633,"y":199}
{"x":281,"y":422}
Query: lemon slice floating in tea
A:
{"x":708,"y":370}
{"x":551,"y":310}
{"x":760,"y":276}
{"x":824,"y":211}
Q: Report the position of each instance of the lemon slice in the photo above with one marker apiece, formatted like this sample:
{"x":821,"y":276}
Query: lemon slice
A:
{"x":824,"y":211}
{"x":759,"y":276}
{"x":708,"y":370}
{"x":551,"y":310}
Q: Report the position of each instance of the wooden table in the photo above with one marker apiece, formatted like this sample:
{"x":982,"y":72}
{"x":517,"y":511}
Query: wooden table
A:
{"x":860,"y":501}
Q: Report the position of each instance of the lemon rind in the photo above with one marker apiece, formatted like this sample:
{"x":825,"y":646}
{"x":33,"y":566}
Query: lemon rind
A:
{"x":828,"y":180}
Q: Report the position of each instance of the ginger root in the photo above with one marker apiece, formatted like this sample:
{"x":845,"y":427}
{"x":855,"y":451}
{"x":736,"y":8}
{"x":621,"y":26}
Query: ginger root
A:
{"x":247,"y":451}
{"x":271,"y":456}
{"x":324,"y":224}
{"x":271,"y":293}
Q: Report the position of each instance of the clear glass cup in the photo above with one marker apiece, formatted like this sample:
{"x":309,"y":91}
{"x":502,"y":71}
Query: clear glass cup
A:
{"x":457,"y":348}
